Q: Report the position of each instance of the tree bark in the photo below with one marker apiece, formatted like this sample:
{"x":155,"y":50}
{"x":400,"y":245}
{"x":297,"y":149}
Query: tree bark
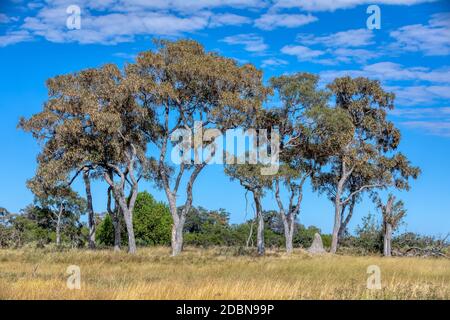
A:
{"x":179,"y":218}
{"x":338,"y":203}
{"x":129,"y":224}
{"x":293,"y":210}
{"x":117,"y":229}
{"x":388,"y":220}
{"x":58,"y":226}
{"x":126,"y":207}
{"x":115,"y":216}
{"x":344,"y":222}
{"x":387,"y":240}
{"x":90,"y":209}
{"x":337,"y":225}
{"x":260,"y":221}
{"x":289,"y":235}
{"x":177,"y":235}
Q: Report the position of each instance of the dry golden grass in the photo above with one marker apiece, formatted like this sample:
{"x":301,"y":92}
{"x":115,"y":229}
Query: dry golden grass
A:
{"x":216,"y":274}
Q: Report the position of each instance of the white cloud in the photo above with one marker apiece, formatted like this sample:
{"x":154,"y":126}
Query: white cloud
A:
{"x":125,"y":55}
{"x":273,"y":62}
{"x":186,"y":5}
{"x":337,"y":48}
{"x":420,"y":95}
{"x":432,"y":39}
{"x":14,"y":37}
{"x":50,"y":23}
{"x":349,"y":38}
{"x":301,"y":52}
{"x":226,"y":19}
{"x":412,"y":85}
{"x":332,"y":5}
{"x":389,"y":71}
{"x":421,"y":113}
{"x":250,"y":41}
{"x":435,"y":121}
{"x":155,"y":5}
{"x":437,"y":128}
{"x":4,"y":18}
{"x":115,"y":21}
{"x":270,"y":21}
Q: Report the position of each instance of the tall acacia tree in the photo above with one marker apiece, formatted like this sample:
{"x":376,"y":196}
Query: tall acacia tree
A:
{"x":181,"y":83}
{"x":91,"y":123}
{"x":366,"y":149}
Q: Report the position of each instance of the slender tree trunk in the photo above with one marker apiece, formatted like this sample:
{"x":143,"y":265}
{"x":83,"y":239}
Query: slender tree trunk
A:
{"x":289,"y":219}
{"x":128,"y":217}
{"x":344,"y":222}
{"x":289,"y":239}
{"x":90,"y":209}
{"x":288,"y":224}
{"x":58,"y":232}
{"x":250,"y":236}
{"x":387,"y":240}
{"x":260,"y":221}
{"x":115,"y":215}
{"x":58,"y":226}
{"x":117,"y":229}
{"x":179,"y":218}
{"x":337,"y":224}
{"x":126,"y":207}
{"x":177,"y":236}
{"x":177,"y":224}
{"x":338,"y":209}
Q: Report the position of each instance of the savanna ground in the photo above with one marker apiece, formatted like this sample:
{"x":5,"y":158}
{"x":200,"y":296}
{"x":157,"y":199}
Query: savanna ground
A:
{"x":219,"y":273}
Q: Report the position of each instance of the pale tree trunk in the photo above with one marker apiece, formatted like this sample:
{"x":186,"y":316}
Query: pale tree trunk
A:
{"x":344,"y":222}
{"x":117,"y":229}
{"x":388,"y":220}
{"x":127,"y":210}
{"x":58,"y":225}
{"x":178,"y":216}
{"x":260,"y":222}
{"x":337,"y":216}
{"x":126,"y":207}
{"x":90,"y":209}
{"x":250,"y":236}
{"x":177,"y":234}
{"x":288,"y":224}
{"x":115,"y":216}
{"x":293,"y":210}
{"x":387,"y":240}
{"x":337,"y":225}
{"x":128,"y":217}
{"x":338,"y":203}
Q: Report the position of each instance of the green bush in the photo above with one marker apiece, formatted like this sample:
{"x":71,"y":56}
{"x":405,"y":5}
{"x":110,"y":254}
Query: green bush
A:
{"x":152,"y":224}
{"x":105,"y":232}
{"x":369,"y":235}
{"x":152,"y":221}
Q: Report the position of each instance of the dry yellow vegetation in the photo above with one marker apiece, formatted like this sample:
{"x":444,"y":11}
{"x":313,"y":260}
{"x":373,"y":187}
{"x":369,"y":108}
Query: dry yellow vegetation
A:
{"x":216,"y":274}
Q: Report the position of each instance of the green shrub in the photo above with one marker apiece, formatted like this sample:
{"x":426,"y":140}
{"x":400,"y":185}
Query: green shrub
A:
{"x":151,"y":220}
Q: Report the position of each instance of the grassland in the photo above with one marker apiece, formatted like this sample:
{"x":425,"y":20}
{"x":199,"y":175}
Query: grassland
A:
{"x":216,"y":274}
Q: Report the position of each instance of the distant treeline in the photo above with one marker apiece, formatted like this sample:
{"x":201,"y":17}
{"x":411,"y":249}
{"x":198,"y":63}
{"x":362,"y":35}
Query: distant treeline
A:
{"x":36,"y":227}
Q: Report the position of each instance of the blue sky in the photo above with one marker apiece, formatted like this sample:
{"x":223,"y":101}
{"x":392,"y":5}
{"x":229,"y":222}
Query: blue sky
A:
{"x":409,"y":54}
